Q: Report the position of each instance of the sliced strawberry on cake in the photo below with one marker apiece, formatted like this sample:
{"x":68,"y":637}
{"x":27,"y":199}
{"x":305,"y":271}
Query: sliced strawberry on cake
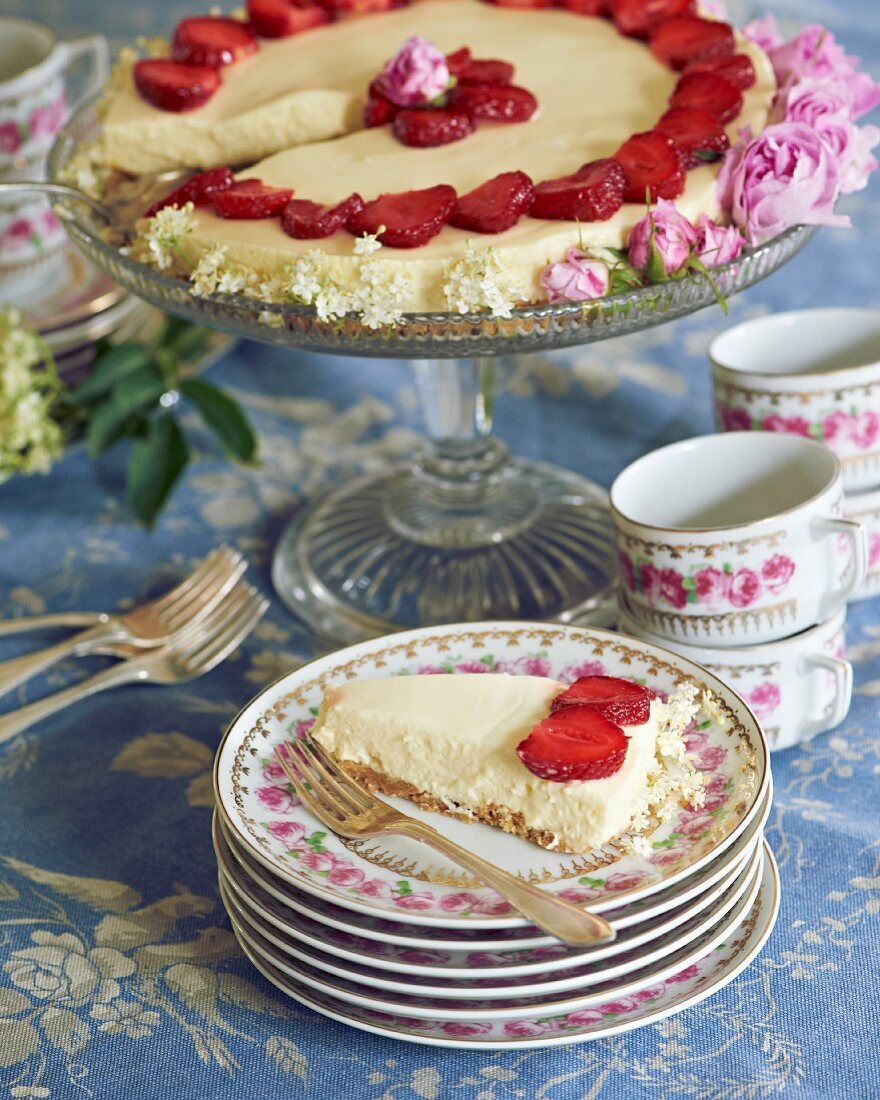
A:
{"x":574,"y":743}
{"x":251,"y":199}
{"x":592,"y":194}
{"x":199,"y":190}
{"x":309,"y":221}
{"x":407,"y":219}
{"x":431,"y":126}
{"x":174,"y":86}
{"x":737,"y":68}
{"x":622,"y":701}
{"x":494,"y":102}
{"x":283,"y":18}
{"x":709,"y":91}
{"x":680,"y":41}
{"x":653,"y":167}
{"x":495,"y":205}
{"x":698,"y":135}
{"x":638,"y":17}
{"x":212,"y":41}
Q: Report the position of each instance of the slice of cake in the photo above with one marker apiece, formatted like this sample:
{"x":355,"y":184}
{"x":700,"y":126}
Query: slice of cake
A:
{"x":458,"y":744}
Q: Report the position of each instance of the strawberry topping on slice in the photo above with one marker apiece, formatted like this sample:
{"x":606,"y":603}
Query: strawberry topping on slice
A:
{"x":282,"y":18}
{"x":378,"y":108}
{"x":251,"y":199}
{"x":699,"y":136}
{"x":686,"y":38}
{"x":710,"y":91}
{"x":495,"y":205}
{"x":494,"y":102}
{"x":407,"y":219}
{"x":637,"y":17}
{"x":587,"y":7}
{"x":458,"y":60}
{"x":360,"y":7}
{"x":427,"y":127}
{"x":173,"y":86}
{"x":621,"y":701}
{"x":526,"y":4}
{"x":212,"y":41}
{"x":574,"y":743}
{"x":653,"y":166}
{"x":592,"y":194}
{"x":199,"y":190}
{"x":307,"y":221}
{"x":737,"y":68}
{"x":486,"y":72}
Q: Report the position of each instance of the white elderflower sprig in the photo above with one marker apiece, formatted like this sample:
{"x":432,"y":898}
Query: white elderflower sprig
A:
{"x":30,"y":440}
{"x":87,"y":170}
{"x":380,"y":296}
{"x":369,"y":243}
{"x":479,"y":281}
{"x":162,"y":235}
{"x":213,"y":275}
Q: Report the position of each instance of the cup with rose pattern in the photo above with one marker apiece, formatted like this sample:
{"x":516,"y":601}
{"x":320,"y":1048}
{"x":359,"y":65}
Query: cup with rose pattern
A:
{"x":735,"y":539}
{"x":864,"y":508}
{"x":812,"y":372}
{"x":796,"y":687}
{"x":35,"y":73}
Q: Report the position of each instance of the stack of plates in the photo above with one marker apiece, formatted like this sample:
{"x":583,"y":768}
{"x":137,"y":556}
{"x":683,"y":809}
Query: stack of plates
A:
{"x":385,"y":936}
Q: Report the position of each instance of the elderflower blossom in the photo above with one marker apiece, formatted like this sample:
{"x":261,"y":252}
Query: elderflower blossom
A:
{"x":87,"y":170}
{"x":379,"y":298}
{"x":163,"y":234}
{"x":303,"y":279}
{"x":30,"y":440}
{"x":367,"y":244}
{"x":479,"y":281}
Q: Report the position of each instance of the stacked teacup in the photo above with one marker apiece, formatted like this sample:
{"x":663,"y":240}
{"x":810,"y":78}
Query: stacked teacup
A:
{"x":734,"y":552}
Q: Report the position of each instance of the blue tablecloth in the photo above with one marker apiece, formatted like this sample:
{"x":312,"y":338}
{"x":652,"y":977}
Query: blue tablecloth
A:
{"x":128,"y":982}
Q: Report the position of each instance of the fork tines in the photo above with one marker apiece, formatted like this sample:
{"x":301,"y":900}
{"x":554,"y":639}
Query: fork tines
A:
{"x":322,"y":786}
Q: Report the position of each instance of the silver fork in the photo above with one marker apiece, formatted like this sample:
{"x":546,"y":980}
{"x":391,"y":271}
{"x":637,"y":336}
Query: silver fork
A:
{"x":147,"y":626}
{"x":346,"y":808}
{"x":196,"y":651}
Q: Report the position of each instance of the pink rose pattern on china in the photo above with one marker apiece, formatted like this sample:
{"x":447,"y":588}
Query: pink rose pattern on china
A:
{"x":843,"y":430}
{"x":710,"y":587}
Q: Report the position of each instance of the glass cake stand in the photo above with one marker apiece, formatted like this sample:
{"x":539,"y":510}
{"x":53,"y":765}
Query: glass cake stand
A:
{"x":462,"y":532}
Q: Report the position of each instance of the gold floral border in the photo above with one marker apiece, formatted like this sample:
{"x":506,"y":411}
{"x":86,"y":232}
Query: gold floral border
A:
{"x":837,"y":393}
{"x":734,"y":672}
{"x":540,"y":636}
{"x":708,"y":549}
{"x":699,"y":625}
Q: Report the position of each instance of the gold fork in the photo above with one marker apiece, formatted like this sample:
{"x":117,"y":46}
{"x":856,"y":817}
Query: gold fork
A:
{"x":345,"y":807}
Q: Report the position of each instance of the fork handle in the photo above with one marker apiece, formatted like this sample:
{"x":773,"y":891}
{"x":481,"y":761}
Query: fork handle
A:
{"x":557,"y":916}
{"x":19,"y":669}
{"x":59,"y":621}
{"x":19,"y":720}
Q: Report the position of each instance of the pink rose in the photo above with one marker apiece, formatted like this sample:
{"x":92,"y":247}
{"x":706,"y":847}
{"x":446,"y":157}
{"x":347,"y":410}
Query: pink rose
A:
{"x":416,"y":74}
{"x":694,"y":825}
{"x":480,"y":960}
{"x":455,"y":903}
{"x":873,"y":549}
{"x":717,"y":244}
{"x":303,"y":726}
{"x":341,"y":875}
{"x":796,"y":425}
{"x":431,"y":670}
{"x":672,"y":588}
{"x":525,"y":1029}
{"x":786,"y":176}
{"x":45,"y":122}
{"x":579,"y":893}
{"x":422,"y":958}
{"x":663,"y":856}
{"x":764,"y":33}
{"x":649,"y":578}
{"x":587,"y":668}
{"x":577,"y":279}
{"x":712,"y":587}
{"x":618,"y":1008}
{"x":50,"y":223}
{"x":764,"y":698}
{"x":492,"y":904}
{"x":466,"y":1027}
{"x":414,"y":901}
{"x":624,"y":880}
{"x":277,"y":799}
{"x":525,"y":666}
{"x":836,"y":427}
{"x":375,"y":888}
{"x":684,"y":975}
{"x":288,"y":832}
{"x":776,"y":572}
{"x":472,"y":666}
{"x":649,"y":994}
{"x":627,"y":571}
{"x":733,"y":420}
{"x":710,"y":757}
{"x":695,"y":739}
{"x":584,"y":1017}
{"x":864,"y":93}
{"x":860,"y":161}
{"x":17,"y":236}
{"x":866,"y":428}
{"x":660,"y":243}
{"x":10,"y":137}
{"x":745,"y":587}
{"x":317,"y":861}
{"x":814,"y":54}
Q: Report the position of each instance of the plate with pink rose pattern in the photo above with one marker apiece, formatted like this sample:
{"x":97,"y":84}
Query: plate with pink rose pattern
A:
{"x":505,"y":947}
{"x":499,"y":1013}
{"x":649,"y":1003}
{"x":401,"y":878}
{"x":471,"y":961}
{"x":360,"y":972}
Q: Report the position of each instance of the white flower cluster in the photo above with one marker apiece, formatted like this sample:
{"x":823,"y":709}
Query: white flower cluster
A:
{"x":212,"y":275}
{"x":30,"y":440}
{"x":479,"y":281}
{"x":161,"y":237}
{"x":87,"y":170}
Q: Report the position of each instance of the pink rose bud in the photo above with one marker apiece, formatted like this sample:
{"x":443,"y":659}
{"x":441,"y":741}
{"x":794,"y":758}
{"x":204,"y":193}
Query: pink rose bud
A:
{"x":764,"y":33}
{"x":717,"y":244}
{"x":661,"y":242}
{"x":786,"y":176}
{"x":576,"y":279}
{"x":417,"y":73}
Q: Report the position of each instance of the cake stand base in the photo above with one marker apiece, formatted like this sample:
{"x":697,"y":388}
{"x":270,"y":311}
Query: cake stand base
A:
{"x":392,"y":551}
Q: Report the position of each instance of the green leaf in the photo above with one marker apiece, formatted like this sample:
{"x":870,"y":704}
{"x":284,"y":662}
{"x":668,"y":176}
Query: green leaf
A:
{"x":187,"y":341}
{"x":223,"y":416}
{"x":110,"y":367}
{"x":154,"y":467}
{"x":131,"y":395}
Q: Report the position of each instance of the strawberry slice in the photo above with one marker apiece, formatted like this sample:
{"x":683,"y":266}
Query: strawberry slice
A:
{"x":686,"y":38}
{"x":618,"y":700}
{"x":711,"y":92}
{"x":699,"y":136}
{"x":637,"y":18}
{"x":307,"y":221}
{"x":587,"y":7}
{"x":361,"y":7}
{"x":199,"y":190}
{"x":378,"y":108}
{"x":407,"y":219}
{"x":592,"y":194}
{"x":494,"y":102}
{"x":212,"y":41}
{"x":652,"y":166}
{"x":172,"y":86}
{"x":457,"y":60}
{"x":486,"y":72}
{"x":574,"y":743}
{"x":282,"y":18}
{"x":495,"y":205}
{"x":251,"y":199}
{"x":737,"y":68}
{"x":525,"y":4}
{"x":427,"y":127}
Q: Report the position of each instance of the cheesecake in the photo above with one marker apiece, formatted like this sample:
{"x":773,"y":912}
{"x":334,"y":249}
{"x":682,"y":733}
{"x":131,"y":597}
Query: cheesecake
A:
{"x":449,"y":743}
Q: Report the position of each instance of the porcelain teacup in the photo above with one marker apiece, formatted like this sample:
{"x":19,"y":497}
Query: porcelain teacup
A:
{"x":813,"y":372}
{"x":796,"y":687}
{"x":864,"y":508}
{"x":735,"y":539}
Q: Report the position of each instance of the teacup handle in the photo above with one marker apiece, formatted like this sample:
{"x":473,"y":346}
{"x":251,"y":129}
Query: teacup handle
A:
{"x":858,"y":536}
{"x":843,"y":686}
{"x":94,"y":49}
